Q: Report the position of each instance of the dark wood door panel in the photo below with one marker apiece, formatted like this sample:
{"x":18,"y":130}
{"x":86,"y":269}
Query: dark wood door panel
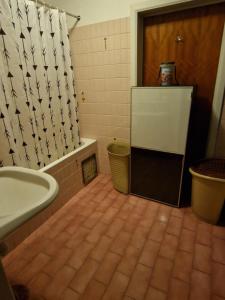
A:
{"x":196,"y":58}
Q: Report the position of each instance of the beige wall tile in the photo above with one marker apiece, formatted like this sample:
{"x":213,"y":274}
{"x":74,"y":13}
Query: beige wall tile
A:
{"x":102,"y":72}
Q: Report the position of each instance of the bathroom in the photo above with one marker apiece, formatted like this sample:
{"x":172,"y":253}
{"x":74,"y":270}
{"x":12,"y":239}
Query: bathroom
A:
{"x":93,"y":241}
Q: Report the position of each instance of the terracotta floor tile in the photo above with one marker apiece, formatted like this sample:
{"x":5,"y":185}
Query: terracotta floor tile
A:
{"x":177,"y":212}
{"x":139,"y":237}
{"x":204,"y":236}
{"x":95,"y":291}
{"x":161,"y":274}
{"x":187,"y":239}
{"x":190,"y":221}
{"x":147,"y":221}
{"x":101,"y":248}
{"x":103,"y":235}
{"x":219,"y":232}
{"x":57,"y":228}
{"x":97,"y":188}
{"x":132,"y":222}
{"x":139,"y":282}
{"x":113,"y":194}
{"x":129,"y":260}
{"x":119,"y":200}
{"x":169,"y":246}
{"x":34,"y":267}
{"x":119,"y":245}
{"x":88,"y":209}
{"x":149,"y":253}
{"x":33,"y":249}
{"x":100,"y":196}
{"x":125,"y":211}
{"x":14,"y":255}
{"x":117,"y":287}
{"x":133,"y":200}
{"x":69,"y":294}
{"x":109,"y":215}
{"x":183,"y":266}
{"x":218,"y":250}
{"x":107,"y":268}
{"x":51,"y":248}
{"x":153,"y":207}
{"x":104,"y":205}
{"x":93,"y":219}
{"x":15,"y":268}
{"x":140,"y":208}
{"x":218,"y":276}
{"x":178,"y":290}
{"x":38,"y":284}
{"x":200,"y":286}
{"x":115,"y":228}
{"x":174,"y":225}
{"x":164,"y":213}
{"x":154,"y":294}
{"x":84,"y":275}
{"x":202,"y":258}
{"x":59,"y":283}
{"x":62,"y":238}
{"x":75,"y":224}
{"x":58,"y":261}
{"x":80,"y":254}
{"x":157,"y":231}
{"x":96,"y":233}
{"x":77,"y":238}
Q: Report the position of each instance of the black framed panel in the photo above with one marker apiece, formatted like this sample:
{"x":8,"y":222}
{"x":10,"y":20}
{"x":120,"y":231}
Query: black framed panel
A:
{"x":156,"y":175}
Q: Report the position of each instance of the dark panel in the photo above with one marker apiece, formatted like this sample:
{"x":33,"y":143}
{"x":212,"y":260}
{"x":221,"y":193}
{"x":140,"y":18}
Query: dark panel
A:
{"x":156,"y":175}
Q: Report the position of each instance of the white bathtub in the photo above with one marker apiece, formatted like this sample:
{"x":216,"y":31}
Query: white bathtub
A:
{"x":85,"y":142}
{"x":68,"y":173}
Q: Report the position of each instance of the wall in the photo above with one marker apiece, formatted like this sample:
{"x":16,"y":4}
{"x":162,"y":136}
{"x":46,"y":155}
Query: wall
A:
{"x":220,"y":141}
{"x":102,"y":70}
{"x":103,"y":74}
{"x":95,"y":11}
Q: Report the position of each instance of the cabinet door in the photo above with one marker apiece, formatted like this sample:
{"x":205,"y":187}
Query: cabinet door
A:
{"x":160,"y":118}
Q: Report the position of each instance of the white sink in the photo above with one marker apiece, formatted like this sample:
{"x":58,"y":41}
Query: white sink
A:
{"x":23,"y":193}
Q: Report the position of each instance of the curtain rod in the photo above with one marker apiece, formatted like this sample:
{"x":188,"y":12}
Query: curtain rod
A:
{"x":54,"y":7}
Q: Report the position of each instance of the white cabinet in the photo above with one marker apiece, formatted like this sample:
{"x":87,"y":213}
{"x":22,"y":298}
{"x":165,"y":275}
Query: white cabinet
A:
{"x":160,"y":118}
{"x":159,"y":131}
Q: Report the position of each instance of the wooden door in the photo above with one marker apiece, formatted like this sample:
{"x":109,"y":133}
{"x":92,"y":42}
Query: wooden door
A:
{"x":196,"y":58}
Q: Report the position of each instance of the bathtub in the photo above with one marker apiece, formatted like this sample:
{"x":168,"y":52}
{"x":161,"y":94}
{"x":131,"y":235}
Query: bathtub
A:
{"x":67,"y":170}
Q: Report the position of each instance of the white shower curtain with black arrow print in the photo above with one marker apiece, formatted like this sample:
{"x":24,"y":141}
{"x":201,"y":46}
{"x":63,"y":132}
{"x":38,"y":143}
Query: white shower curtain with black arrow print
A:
{"x":38,"y":108}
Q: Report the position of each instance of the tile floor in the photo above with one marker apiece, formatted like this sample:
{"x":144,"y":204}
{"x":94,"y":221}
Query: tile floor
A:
{"x":105,"y":245}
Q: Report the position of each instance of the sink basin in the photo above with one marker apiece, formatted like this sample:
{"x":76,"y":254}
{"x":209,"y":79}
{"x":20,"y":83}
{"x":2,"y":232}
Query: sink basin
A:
{"x":23,"y":193}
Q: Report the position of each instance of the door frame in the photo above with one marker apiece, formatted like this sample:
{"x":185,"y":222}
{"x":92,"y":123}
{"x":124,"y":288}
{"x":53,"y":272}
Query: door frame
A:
{"x":150,"y":8}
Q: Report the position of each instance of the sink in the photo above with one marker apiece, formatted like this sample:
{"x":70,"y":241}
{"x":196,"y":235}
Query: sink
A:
{"x":23,"y":193}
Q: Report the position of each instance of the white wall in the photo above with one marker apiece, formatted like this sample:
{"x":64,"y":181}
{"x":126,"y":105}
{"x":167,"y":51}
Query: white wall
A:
{"x":95,"y":11}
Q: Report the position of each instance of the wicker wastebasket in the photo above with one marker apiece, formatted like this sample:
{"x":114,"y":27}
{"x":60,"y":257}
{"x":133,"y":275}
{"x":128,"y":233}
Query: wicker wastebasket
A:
{"x":208,"y":189}
{"x":119,"y":162}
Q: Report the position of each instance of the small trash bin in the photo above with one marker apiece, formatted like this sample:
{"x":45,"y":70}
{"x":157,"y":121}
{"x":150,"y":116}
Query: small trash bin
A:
{"x":119,"y":162}
{"x":208,"y":189}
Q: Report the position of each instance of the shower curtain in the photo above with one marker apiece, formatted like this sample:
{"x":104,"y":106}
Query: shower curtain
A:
{"x":38,"y":108}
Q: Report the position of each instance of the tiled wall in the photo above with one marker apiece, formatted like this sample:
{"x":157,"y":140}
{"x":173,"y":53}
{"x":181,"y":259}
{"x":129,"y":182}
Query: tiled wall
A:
{"x":68,"y":174}
{"x":101,"y":55}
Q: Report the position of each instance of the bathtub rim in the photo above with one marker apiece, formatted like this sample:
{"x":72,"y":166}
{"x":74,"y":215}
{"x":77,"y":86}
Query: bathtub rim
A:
{"x":85,"y":142}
